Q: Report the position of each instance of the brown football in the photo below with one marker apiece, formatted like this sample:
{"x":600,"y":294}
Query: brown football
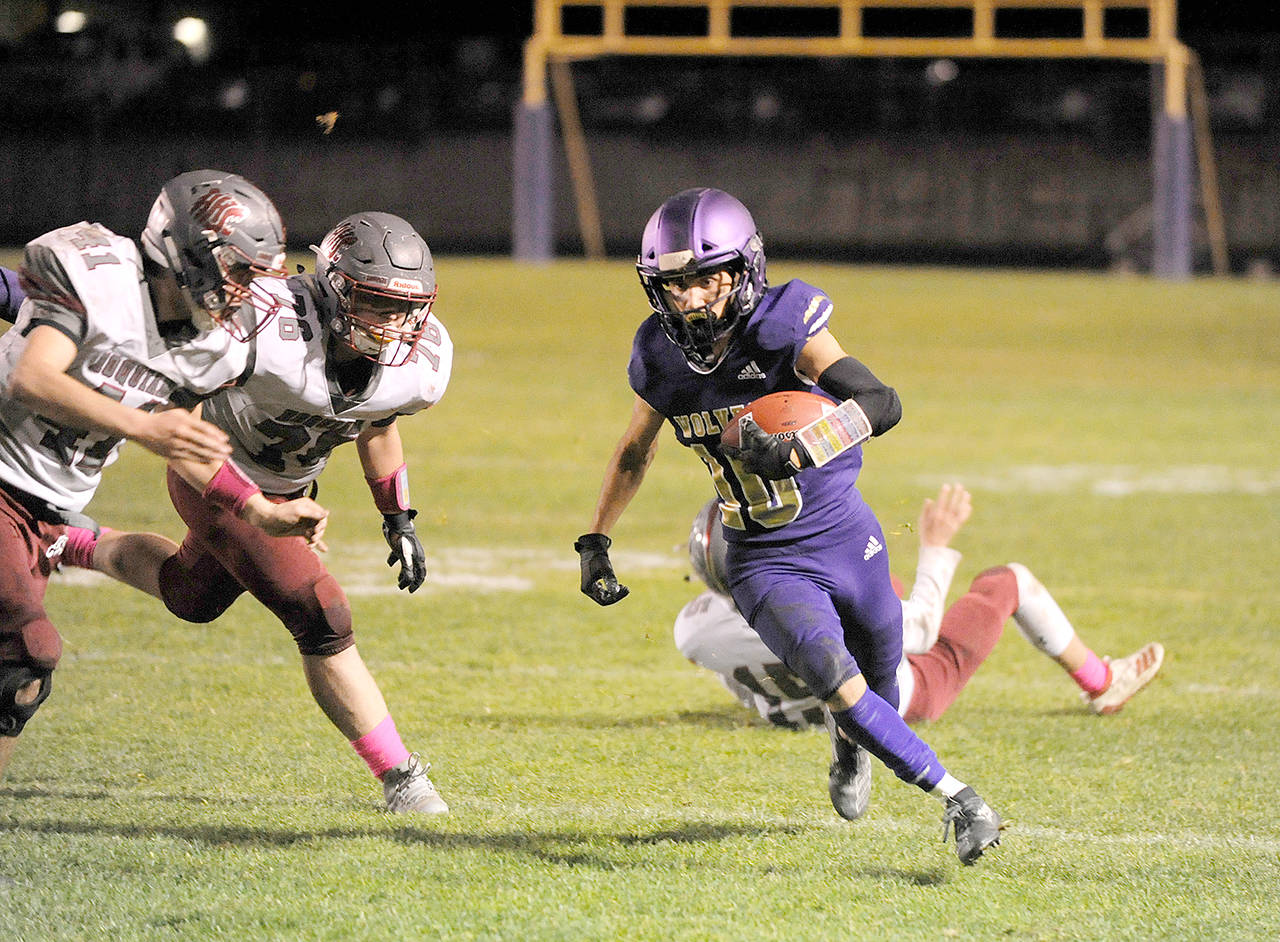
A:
{"x":780,"y":413}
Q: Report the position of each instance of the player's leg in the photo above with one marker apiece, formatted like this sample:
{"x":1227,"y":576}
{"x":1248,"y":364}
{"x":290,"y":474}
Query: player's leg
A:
{"x":970,"y":628}
{"x":129,"y":557}
{"x":30,"y":646}
{"x":1105,"y":685}
{"x":286,"y":576}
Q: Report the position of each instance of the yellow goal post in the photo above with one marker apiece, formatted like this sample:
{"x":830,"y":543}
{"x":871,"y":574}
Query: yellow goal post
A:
{"x":610,"y":31}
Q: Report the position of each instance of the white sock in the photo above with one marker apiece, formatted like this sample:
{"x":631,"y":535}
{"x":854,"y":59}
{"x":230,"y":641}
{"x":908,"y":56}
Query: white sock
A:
{"x":949,"y":787}
{"x":1038,"y":616}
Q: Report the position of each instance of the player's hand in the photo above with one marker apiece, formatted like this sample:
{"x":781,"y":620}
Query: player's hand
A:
{"x":406,"y":549}
{"x":768,"y":456}
{"x":941,"y":519}
{"x":176,"y":433}
{"x":598,"y":581}
{"x":301,"y":516}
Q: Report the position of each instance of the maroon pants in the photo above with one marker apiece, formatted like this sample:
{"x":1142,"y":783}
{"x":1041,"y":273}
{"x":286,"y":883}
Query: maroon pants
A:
{"x":970,"y":629}
{"x":222,"y":557}
{"x":27,"y":637}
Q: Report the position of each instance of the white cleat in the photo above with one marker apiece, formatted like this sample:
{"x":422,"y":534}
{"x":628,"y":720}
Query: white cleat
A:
{"x":407,"y":789}
{"x":1128,"y":676}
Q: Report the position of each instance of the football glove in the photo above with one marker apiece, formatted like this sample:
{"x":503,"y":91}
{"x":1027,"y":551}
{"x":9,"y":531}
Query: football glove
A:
{"x":598,"y":581}
{"x":768,"y":456}
{"x":406,"y":549}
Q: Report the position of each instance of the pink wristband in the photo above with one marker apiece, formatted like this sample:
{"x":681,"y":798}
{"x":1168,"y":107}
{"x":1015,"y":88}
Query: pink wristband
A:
{"x":230,"y":488}
{"x":391,"y":492}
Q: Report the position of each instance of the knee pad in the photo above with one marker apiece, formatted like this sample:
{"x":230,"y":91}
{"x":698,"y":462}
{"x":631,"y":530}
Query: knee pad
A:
{"x":319,"y":617}
{"x":13,"y":678}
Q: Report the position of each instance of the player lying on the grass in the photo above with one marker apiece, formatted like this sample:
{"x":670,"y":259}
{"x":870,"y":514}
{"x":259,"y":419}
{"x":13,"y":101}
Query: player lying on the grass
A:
{"x":357,"y":348}
{"x":943,"y":650}
{"x":719,"y":337}
{"x":112,"y":343}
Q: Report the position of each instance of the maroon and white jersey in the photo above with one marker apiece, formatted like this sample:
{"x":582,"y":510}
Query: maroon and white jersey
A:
{"x":711,"y":633}
{"x":293,"y":409}
{"x":87,"y":282}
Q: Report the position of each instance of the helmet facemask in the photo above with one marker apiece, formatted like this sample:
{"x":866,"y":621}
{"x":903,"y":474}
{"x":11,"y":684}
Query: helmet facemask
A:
{"x":697,"y":330}
{"x":381,"y":324}
{"x":224,"y":303}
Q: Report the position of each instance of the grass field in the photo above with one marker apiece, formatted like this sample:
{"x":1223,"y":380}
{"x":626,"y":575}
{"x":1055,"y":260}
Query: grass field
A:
{"x":1119,"y":436}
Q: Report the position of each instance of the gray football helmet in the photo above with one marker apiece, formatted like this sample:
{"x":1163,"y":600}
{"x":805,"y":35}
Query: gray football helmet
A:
{"x":217,"y":232}
{"x":378,"y":282}
{"x":707,"y":547}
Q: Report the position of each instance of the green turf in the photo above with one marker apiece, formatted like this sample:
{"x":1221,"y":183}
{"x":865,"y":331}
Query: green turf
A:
{"x":1119,"y":436}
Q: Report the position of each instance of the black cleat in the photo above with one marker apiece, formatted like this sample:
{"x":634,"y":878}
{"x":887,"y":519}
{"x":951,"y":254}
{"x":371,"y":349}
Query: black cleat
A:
{"x":977,"y":827}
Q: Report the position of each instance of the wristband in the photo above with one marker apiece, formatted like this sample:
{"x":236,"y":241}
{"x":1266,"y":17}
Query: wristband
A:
{"x":230,"y":489}
{"x":391,"y":491}
{"x":836,"y":432}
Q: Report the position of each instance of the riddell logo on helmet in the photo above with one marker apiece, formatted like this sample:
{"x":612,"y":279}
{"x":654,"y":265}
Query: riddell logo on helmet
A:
{"x":405,"y":284}
{"x":218,"y":211}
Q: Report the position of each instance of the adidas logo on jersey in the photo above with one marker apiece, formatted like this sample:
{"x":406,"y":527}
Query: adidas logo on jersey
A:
{"x":751,"y":371}
{"x":873,"y":546}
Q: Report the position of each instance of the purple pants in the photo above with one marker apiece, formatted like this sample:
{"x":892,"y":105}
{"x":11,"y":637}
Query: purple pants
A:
{"x":825,"y":604}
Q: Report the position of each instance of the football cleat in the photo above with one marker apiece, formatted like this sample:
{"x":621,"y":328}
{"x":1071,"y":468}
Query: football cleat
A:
{"x":849,"y":777}
{"x":1128,"y":676}
{"x":976,"y":826}
{"x":407,"y":789}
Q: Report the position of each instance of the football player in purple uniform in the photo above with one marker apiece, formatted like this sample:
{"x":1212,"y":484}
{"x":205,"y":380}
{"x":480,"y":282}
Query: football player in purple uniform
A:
{"x":943,"y":649}
{"x":109,"y":344}
{"x":806,"y":560}
{"x":355,"y":348}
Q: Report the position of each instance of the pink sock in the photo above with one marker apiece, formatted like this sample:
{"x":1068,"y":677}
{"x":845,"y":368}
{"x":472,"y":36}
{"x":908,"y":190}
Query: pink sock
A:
{"x":80,"y":546}
{"x":381,"y":747}
{"x":1094,"y":677}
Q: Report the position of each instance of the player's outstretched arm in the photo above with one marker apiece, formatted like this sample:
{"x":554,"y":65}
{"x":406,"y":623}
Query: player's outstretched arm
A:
{"x":40,"y":382}
{"x":622,"y":479}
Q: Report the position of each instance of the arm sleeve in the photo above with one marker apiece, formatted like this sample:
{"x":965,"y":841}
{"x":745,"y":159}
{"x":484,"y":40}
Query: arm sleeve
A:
{"x":922,"y":609}
{"x":848,"y":378}
{"x":53,"y":294}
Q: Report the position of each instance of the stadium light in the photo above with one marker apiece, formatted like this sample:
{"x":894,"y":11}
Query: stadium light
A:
{"x":70,"y":21}
{"x":193,"y":33}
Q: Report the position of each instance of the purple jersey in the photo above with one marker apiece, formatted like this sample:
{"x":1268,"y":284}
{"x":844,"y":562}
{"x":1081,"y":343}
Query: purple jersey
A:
{"x":761,"y":360}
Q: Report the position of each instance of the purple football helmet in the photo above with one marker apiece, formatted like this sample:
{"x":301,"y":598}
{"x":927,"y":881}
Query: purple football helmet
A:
{"x":694,"y":233}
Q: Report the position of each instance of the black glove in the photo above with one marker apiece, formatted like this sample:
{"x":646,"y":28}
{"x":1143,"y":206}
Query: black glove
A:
{"x":598,"y":581}
{"x":767,"y":455}
{"x":406,"y":549}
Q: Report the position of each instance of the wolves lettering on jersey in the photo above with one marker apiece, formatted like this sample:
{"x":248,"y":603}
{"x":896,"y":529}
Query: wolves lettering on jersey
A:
{"x":290,"y":413}
{"x":98,"y":297}
{"x":762,"y":359}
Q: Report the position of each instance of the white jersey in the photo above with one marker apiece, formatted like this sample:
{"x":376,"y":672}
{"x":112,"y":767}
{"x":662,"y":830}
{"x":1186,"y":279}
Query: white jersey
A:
{"x":88,"y":283}
{"x":711,"y":633}
{"x":290,"y":412}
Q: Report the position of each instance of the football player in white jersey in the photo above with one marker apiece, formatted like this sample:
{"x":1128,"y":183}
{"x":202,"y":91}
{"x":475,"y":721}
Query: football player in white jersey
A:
{"x":943,"y":650}
{"x":110,"y":344}
{"x":357,"y":348}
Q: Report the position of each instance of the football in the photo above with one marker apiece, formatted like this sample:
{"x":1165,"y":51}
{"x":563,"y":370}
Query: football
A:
{"x":780,"y":413}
